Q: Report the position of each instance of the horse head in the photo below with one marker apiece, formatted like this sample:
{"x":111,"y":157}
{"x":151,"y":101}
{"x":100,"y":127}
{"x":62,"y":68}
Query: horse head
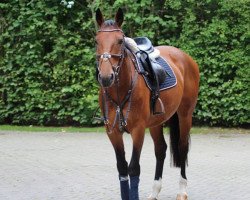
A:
{"x":110,"y":48}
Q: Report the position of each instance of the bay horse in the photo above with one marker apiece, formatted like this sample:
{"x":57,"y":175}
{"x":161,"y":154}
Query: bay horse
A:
{"x":125,"y":104}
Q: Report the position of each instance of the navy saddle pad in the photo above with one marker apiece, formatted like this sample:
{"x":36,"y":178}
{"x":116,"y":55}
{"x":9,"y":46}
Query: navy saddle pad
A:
{"x":169,"y":82}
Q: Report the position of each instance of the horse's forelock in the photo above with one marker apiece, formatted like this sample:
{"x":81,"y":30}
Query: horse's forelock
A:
{"x":110,"y":23}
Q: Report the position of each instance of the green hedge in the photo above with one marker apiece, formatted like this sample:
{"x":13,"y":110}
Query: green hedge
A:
{"x":47,"y":59}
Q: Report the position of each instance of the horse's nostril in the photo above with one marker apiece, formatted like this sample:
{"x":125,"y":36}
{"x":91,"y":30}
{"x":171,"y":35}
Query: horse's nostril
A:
{"x":106,"y":81}
{"x":112,"y":77}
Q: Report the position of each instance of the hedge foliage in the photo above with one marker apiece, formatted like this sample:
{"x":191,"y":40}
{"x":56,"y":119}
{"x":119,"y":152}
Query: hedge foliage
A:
{"x":47,"y":58}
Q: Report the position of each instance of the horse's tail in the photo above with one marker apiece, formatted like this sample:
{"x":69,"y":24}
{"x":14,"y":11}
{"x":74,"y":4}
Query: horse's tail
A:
{"x":174,"y":140}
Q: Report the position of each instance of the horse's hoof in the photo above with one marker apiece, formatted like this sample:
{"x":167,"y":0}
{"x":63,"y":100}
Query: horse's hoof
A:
{"x":182,"y":197}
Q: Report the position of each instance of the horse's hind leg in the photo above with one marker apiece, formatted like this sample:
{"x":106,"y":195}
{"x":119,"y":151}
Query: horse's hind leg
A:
{"x":180,"y":126}
{"x":160,"y":154}
{"x":185,"y":123}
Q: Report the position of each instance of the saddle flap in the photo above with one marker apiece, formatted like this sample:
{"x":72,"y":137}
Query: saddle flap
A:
{"x":156,"y":72}
{"x":144,"y":44}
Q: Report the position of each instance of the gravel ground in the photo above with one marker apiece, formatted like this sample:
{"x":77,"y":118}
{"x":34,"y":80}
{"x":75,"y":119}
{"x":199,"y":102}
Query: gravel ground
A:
{"x":74,"y":166}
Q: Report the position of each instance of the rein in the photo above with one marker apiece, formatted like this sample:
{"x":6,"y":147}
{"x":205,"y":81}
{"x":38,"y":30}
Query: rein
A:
{"x":106,"y":97}
{"x":119,"y":105}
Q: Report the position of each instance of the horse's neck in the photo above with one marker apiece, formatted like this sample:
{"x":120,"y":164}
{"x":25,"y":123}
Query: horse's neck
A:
{"x":123,"y":84}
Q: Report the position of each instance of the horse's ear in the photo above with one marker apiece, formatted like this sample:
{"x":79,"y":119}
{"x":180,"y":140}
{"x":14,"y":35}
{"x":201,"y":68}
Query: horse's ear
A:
{"x":99,"y":17}
{"x":119,"y":17}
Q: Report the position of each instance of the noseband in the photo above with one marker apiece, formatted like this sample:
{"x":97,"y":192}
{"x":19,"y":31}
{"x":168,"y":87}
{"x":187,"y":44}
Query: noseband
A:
{"x":106,"y":56}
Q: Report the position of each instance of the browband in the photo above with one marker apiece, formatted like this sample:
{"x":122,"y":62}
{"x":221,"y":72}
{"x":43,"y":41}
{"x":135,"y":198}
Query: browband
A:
{"x":112,"y":30}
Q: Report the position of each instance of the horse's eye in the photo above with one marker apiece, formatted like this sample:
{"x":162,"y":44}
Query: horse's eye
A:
{"x":120,"y":41}
{"x":96,"y":42}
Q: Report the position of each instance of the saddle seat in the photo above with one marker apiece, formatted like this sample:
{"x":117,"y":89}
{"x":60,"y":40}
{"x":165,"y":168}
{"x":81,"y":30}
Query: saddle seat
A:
{"x":146,"y":47}
{"x":144,"y":44}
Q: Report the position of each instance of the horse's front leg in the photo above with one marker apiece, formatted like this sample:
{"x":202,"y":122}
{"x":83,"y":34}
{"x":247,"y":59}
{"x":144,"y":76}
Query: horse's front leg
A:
{"x":122,"y":165}
{"x":134,"y":166}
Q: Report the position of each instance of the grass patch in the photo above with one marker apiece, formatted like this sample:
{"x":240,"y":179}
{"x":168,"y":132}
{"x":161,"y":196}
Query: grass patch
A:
{"x":51,"y":129}
{"x":218,"y":130}
{"x":194,"y":130}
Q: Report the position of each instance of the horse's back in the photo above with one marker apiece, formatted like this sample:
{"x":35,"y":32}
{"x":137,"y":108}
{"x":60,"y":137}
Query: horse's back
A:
{"x":187,"y":73}
{"x":181,"y":60}
{"x":183,"y":96}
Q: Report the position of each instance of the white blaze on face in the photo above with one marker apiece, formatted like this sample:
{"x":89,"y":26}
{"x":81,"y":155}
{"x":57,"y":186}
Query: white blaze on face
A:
{"x":156,"y":189}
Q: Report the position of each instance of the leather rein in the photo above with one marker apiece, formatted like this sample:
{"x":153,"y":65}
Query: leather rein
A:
{"x":119,"y":104}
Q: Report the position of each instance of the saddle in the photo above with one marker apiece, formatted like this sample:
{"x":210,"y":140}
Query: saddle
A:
{"x":155,"y":72}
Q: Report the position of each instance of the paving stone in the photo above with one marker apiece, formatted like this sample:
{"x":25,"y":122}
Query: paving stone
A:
{"x":76,"y":166}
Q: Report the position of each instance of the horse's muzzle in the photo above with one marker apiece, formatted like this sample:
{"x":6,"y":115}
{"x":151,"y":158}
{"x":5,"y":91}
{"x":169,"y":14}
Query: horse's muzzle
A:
{"x":106,"y":81}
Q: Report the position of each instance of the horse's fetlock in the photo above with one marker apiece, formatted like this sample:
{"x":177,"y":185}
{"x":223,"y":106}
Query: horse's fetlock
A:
{"x":134,"y":170}
{"x":161,"y":156}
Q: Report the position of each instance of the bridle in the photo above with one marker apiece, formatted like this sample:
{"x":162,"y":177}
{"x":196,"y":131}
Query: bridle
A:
{"x":106,"y":97}
{"x":106,"y":56}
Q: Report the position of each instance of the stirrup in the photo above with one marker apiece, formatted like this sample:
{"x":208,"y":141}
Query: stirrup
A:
{"x":158,"y":103}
